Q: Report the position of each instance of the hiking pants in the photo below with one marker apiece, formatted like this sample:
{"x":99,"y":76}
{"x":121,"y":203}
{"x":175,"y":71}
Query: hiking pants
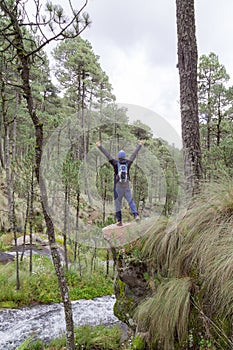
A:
{"x":122,"y":189}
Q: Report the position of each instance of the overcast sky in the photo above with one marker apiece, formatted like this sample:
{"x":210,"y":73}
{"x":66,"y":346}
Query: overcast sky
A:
{"x":137,"y":44}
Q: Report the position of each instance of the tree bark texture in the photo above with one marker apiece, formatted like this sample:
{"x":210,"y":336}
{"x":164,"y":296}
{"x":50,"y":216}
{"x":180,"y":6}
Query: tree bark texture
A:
{"x":187,"y":64}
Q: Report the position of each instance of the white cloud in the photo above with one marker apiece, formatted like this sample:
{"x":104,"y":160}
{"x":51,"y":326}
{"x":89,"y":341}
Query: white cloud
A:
{"x":137,"y":45}
{"x":135,"y":81}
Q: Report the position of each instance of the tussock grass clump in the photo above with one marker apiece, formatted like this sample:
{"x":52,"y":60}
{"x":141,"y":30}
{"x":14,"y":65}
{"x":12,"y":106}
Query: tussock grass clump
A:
{"x":199,"y":248}
{"x":160,"y":244}
{"x":166,"y":313}
{"x":218,"y":276}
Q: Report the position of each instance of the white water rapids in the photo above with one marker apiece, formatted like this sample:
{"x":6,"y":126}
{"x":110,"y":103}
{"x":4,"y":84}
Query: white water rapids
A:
{"x":47,"y":322}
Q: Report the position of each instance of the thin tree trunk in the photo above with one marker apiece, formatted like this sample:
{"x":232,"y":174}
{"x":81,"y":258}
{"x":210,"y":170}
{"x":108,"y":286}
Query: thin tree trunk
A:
{"x":107,"y":263}
{"x":15,"y":127}
{"x":104,"y":203}
{"x":1,"y":155}
{"x":13,"y":224}
{"x":87,"y":187}
{"x":77,"y":246}
{"x":10,"y":196}
{"x":25,"y":225}
{"x":209,"y":116}
{"x":12,"y":180}
{"x":93,"y":259}
{"x":66,"y":219}
{"x":24,"y":59}
{"x":31,"y":218}
{"x":3,"y":102}
{"x":219,"y":123}
{"x":79,"y":261}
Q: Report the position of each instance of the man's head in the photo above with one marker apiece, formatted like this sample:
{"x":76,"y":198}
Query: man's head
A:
{"x":121,"y":154}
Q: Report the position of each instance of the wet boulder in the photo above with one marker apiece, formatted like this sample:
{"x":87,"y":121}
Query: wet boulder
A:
{"x":5,"y":258}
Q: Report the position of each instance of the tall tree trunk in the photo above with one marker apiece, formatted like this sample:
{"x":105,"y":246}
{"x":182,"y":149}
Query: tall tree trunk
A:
{"x":31,"y":215}
{"x":3,"y":102}
{"x":14,"y":230}
{"x":86,"y":179}
{"x":10,"y":197}
{"x":1,"y":155}
{"x":25,"y":76}
{"x":12,"y":180}
{"x":10,"y":176}
{"x":25,"y":225}
{"x":219,"y":121}
{"x":187,"y":63}
{"x":107,"y":263}
{"x":76,"y":224}
{"x":66,"y":223}
{"x":77,"y":246}
{"x":209,"y":116}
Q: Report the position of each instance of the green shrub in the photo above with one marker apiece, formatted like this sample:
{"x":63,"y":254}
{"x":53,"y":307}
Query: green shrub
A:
{"x":138,"y":343}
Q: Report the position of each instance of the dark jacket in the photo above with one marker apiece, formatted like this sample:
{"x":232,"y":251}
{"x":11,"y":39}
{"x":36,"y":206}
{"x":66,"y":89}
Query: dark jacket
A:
{"x":114,"y":162}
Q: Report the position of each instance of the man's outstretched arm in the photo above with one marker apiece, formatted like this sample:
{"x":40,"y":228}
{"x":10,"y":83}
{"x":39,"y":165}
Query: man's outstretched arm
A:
{"x":139,"y":146}
{"x":103,"y":150}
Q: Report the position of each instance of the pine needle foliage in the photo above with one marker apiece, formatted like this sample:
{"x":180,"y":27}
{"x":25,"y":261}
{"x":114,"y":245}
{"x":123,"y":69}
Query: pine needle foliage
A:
{"x":166,"y":313}
{"x":198,"y":249}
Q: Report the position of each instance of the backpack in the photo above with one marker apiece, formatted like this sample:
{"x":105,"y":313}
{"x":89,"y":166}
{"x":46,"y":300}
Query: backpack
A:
{"x":122,"y":172}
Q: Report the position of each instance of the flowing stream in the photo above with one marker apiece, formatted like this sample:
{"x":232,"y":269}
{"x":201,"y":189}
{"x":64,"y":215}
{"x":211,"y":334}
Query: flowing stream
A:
{"x":47,"y":321}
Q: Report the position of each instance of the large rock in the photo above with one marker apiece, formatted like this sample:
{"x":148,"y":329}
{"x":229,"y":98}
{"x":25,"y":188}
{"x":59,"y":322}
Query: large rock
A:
{"x":35,"y":240}
{"x":118,"y":236}
{"x":6,"y":258}
{"x":130,"y":284}
{"x":130,"y":287}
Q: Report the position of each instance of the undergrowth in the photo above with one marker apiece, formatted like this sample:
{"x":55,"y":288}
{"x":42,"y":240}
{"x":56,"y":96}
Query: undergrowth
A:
{"x":86,"y":338}
{"x":41,"y":286}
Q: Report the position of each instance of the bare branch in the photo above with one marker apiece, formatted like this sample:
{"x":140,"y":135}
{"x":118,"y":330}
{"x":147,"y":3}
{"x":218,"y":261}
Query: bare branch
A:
{"x":14,"y":85}
{"x":67,"y":28}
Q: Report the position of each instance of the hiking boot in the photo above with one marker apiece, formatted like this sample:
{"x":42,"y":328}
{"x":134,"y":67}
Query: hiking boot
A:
{"x":119,"y":223}
{"x":137,"y":218}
